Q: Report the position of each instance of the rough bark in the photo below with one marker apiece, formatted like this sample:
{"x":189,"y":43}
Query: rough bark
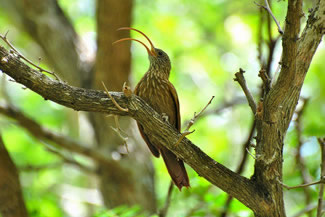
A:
{"x":161,"y":132}
{"x":262,"y":193}
{"x":280,"y":103}
{"x":11,"y":197}
{"x":135,"y":185}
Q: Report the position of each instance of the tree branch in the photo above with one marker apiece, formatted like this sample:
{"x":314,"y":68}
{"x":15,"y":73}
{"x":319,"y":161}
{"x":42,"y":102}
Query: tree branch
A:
{"x":46,"y":22}
{"x":242,"y":82}
{"x":268,"y":9}
{"x":42,"y":133}
{"x":161,"y":132}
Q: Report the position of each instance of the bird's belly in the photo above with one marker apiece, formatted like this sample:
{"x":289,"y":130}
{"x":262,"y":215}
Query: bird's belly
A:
{"x":160,"y":99}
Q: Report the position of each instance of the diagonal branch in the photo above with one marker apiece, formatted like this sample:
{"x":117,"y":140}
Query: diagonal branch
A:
{"x":46,"y":22}
{"x":42,"y":133}
{"x":268,"y":9}
{"x":161,"y":132}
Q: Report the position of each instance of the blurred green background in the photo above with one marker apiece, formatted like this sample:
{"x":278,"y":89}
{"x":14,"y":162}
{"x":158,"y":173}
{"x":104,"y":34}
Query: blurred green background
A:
{"x":207,"y":42}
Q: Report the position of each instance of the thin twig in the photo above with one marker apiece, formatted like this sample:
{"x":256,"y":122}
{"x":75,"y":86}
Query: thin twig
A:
{"x":70,"y":161}
{"x":113,"y":100}
{"x":192,"y":121}
{"x":223,"y":106}
{"x":118,"y":131}
{"x":298,"y":158}
{"x":4,"y":38}
{"x":42,"y":133}
{"x":307,"y":209}
{"x":197,"y":115}
{"x":322,"y":181}
{"x":242,"y":82}
{"x":250,"y":154}
{"x":266,"y":80}
{"x":37,"y":168}
{"x":322,"y":166}
{"x":164,"y":210}
{"x":268,"y":9}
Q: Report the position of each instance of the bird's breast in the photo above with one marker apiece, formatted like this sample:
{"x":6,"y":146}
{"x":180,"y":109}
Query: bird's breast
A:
{"x":157,"y":94}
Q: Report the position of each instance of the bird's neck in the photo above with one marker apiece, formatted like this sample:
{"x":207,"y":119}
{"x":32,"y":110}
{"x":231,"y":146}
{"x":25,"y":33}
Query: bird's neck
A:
{"x":158,"y":72}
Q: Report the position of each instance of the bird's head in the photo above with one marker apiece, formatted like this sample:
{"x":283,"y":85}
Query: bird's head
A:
{"x":159,"y":60}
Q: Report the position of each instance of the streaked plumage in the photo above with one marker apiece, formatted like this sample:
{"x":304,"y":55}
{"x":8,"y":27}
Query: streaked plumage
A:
{"x":161,"y":95}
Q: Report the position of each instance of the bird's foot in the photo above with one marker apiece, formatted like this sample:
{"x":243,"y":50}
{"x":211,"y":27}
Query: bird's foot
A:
{"x":165,"y":117}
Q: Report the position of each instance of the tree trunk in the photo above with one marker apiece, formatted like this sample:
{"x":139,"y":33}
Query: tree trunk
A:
{"x":11,"y":198}
{"x":132,"y":183}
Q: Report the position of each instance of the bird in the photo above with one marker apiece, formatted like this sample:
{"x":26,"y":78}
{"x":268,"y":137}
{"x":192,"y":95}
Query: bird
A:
{"x":158,"y":92}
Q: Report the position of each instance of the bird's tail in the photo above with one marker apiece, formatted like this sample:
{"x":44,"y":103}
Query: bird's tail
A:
{"x":176,"y":168}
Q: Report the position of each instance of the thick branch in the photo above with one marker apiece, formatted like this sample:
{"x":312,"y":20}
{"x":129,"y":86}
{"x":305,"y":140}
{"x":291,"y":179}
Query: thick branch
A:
{"x":161,"y":132}
{"x":290,"y":45}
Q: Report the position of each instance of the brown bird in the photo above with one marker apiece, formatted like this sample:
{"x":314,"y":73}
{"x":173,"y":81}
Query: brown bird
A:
{"x":161,"y":95}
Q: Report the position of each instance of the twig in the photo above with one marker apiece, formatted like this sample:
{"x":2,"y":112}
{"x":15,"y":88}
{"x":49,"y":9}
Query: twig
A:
{"x":267,"y":7}
{"x":250,"y":154}
{"x":192,"y":121}
{"x":224,"y":105}
{"x":266,"y":80}
{"x":322,"y":166}
{"x":113,"y":100}
{"x":4,"y":38}
{"x":322,"y":181}
{"x":70,"y":161}
{"x":298,"y":158}
{"x":37,"y":168}
{"x":195,"y":208}
{"x":118,"y":131}
{"x":127,"y":92}
{"x":164,"y":210}
{"x":242,"y":82}
{"x":307,"y":209}
{"x":42,"y":133}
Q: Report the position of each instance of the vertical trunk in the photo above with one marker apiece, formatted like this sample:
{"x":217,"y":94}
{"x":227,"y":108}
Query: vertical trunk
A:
{"x":131,"y":183}
{"x":11,"y":197}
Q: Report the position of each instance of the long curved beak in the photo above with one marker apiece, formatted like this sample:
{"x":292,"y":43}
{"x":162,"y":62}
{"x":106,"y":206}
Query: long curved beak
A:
{"x":151,"y":51}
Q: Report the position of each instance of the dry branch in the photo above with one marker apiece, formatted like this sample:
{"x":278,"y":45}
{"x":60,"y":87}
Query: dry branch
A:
{"x":42,"y":133}
{"x":242,"y":82}
{"x":161,"y":132}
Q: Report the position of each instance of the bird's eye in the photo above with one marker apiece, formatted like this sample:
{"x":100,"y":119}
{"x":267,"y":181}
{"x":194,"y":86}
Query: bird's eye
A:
{"x":160,"y":53}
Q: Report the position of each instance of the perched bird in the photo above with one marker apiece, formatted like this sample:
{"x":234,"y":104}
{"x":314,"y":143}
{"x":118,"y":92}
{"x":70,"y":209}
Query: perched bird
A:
{"x":161,"y":95}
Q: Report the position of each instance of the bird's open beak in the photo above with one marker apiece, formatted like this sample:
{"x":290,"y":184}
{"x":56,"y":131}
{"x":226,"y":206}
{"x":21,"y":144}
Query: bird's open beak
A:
{"x":151,"y":51}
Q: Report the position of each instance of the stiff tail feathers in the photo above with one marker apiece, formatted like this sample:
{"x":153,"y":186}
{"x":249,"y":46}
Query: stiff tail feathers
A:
{"x":176,"y":168}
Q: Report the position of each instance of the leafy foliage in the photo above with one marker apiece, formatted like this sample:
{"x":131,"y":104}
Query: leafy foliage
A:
{"x":207,"y":42}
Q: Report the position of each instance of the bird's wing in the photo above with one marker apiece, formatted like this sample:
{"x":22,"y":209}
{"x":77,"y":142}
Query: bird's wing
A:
{"x":152,"y":148}
{"x":174,"y":96}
